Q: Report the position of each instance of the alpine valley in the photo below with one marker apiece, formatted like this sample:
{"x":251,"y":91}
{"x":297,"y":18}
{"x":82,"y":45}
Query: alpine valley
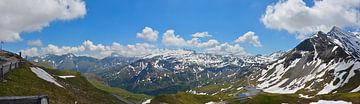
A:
{"x":325,"y":66}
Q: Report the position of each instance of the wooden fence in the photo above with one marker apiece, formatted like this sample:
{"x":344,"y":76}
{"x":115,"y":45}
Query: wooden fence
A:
{"x":42,"y":99}
{"x":6,"y":67}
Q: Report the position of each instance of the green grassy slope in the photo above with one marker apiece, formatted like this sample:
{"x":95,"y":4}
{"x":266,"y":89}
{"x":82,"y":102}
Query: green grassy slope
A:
{"x":183,"y":98}
{"x":23,"y":82}
{"x":113,"y":90}
{"x":262,"y":98}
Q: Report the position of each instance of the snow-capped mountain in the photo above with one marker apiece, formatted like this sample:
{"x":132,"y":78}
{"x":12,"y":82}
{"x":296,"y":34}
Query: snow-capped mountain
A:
{"x":170,"y":71}
{"x":181,"y":70}
{"x":326,"y":63}
{"x":82,"y":64}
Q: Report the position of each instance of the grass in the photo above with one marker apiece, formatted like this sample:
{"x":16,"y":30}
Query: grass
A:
{"x":183,"y":98}
{"x":268,"y":98}
{"x":113,"y":90}
{"x":353,"y":97}
{"x":211,"y":88}
{"x":23,"y":82}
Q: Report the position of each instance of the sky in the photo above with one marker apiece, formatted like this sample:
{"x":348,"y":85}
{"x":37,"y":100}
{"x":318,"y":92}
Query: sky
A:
{"x":100,"y":28}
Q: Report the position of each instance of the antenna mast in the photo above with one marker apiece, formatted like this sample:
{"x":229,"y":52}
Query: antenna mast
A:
{"x":1,"y":45}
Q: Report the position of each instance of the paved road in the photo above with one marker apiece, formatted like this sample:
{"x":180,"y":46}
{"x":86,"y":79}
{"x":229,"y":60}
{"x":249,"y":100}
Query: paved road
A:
{"x":123,"y":100}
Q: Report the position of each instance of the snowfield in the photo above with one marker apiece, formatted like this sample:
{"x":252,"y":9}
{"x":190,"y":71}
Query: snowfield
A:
{"x":196,"y":93}
{"x":147,"y":101}
{"x":68,"y":76}
{"x":211,"y":102}
{"x":356,"y":89}
{"x":44,"y":75}
{"x":305,"y":96}
{"x":330,"y":102}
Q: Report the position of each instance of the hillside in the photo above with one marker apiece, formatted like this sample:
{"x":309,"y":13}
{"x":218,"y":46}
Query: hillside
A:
{"x":98,"y":83}
{"x":24,"y":82}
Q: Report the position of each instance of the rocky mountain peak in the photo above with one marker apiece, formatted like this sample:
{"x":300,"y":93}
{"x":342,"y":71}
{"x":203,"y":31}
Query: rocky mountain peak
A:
{"x":325,"y":57}
{"x":346,"y":40}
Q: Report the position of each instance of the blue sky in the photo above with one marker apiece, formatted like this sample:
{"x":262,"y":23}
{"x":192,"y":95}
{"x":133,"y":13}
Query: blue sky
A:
{"x":108,"y":21}
{"x":120,"y":20}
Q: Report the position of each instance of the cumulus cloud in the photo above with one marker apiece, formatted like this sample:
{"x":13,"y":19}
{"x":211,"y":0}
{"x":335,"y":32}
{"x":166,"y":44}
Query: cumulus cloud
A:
{"x":148,"y":34}
{"x":171,"y":39}
{"x":226,"y":48}
{"x":296,"y":17}
{"x":37,"y":43}
{"x":250,"y":37}
{"x":139,"y":49}
{"x":195,"y":42}
{"x":30,"y":52}
{"x":88,"y":48}
{"x":201,"y":34}
{"x":19,"y":16}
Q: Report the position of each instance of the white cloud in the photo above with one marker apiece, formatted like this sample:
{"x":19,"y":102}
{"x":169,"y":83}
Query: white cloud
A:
{"x":201,"y":34}
{"x":88,"y":48}
{"x":30,"y":52}
{"x":148,"y":34}
{"x":225,"y":48}
{"x":195,"y":42}
{"x":250,"y":37}
{"x":34,"y":43}
{"x":139,"y":49}
{"x":170,"y":39}
{"x":297,"y":18}
{"x":19,"y":16}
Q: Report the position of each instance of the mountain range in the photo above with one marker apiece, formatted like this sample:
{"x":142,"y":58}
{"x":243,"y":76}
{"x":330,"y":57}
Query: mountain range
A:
{"x":326,"y":63}
{"x":168,"y":72}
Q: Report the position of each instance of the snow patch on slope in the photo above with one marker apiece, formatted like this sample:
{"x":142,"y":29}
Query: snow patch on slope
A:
{"x":338,"y":75}
{"x":331,"y":102}
{"x":356,"y":89}
{"x":274,"y":83}
{"x":44,"y":75}
{"x":67,"y":76}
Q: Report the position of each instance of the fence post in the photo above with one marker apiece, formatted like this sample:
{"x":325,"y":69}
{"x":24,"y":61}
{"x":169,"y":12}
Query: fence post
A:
{"x":10,"y":66}
{"x":1,"y":73}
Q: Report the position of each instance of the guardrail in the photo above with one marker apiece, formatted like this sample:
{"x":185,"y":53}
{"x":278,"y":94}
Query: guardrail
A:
{"x":6,"y":67}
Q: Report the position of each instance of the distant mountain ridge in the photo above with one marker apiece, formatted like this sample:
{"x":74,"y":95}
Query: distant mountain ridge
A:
{"x":182,"y":70}
{"x":82,"y":64}
{"x":173,"y":68}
